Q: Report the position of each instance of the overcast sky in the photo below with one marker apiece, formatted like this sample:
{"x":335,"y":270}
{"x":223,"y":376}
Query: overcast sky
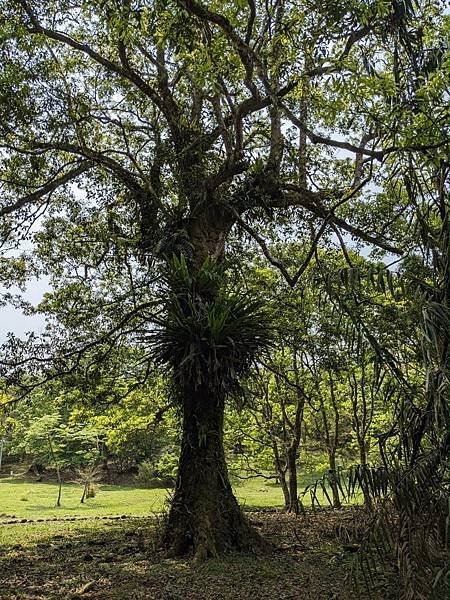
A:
{"x":15,"y":321}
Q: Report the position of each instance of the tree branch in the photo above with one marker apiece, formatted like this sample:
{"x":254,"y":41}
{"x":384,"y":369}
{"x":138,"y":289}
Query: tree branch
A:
{"x":124,"y":70}
{"x":48,"y":188}
{"x":297,"y":198}
{"x":315,"y":138}
{"x":292,"y":281}
{"x":126,"y":176}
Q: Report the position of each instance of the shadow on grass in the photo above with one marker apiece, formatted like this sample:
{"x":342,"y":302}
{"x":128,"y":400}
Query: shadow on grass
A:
{"x":120,"y":560}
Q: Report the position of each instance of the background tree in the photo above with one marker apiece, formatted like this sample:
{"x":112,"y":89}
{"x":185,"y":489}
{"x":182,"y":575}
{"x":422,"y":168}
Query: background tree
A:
{"x":6,"y":422}
{"x":48,"y":441}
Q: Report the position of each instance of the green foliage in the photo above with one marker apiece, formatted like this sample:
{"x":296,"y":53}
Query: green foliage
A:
{"x":208,"y":336}
{"x":84,"y":431}
{"x":132,"y":133}
{"x":158,"y":472}
{"x":40,"y":431}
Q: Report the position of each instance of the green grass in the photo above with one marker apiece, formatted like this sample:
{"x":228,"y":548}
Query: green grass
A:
{"x":30,"y":535}
{"x":258,"y":492}
{"x":262,"y":493}
{"x":121,"y":559}
{"x":116,"y":559}
{"x":32,"y":500}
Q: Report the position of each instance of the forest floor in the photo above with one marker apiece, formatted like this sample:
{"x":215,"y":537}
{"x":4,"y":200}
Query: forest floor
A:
{"x":119,"y":560}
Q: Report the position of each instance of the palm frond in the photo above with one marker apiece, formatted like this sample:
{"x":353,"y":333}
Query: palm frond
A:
{"x":207,"y":335}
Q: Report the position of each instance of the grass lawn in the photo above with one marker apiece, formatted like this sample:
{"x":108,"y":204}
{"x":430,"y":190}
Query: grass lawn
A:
{"x":32,"y":500}
{"x":120,"y":559}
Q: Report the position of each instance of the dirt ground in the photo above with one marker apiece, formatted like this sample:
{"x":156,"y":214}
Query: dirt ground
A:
{"x":313,"y":557}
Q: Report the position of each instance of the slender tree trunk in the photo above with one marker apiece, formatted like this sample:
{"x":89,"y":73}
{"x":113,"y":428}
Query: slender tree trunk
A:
{"x":293,"y":491}
{"x":285,"y":488}
{"x":105,"y":454}
{"x":363,"y":466}
{"x":296,"y":432}
{"x":2,"y":441}
{"x":58,"y":472}
{"x":333,"y":482}
{"x":362,"y":454}
{"x":205,"y":516}
{"x":281,"y":473}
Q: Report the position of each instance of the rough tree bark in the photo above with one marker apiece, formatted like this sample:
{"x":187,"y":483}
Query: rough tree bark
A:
{"x":204,"y":515}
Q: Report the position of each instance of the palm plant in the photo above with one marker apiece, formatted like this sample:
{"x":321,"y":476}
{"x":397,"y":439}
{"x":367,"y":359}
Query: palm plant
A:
{"x":208,"y":336}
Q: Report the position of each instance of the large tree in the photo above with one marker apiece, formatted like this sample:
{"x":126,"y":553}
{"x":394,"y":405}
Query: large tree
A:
{"x":148,"y":132}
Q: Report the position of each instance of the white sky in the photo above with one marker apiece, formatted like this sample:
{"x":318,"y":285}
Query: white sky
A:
{"x":13,"y":320}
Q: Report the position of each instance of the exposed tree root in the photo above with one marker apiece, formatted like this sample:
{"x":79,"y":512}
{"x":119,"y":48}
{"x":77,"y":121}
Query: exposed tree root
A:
{"x":211,"y":531}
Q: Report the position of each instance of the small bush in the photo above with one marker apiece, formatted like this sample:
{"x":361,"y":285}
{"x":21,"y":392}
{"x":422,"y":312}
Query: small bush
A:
{"x":91,"y":490}
{"x":152,"y":477}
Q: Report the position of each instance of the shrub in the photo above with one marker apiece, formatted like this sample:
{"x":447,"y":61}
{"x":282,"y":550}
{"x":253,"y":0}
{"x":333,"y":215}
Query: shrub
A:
{"x":152,"y":475}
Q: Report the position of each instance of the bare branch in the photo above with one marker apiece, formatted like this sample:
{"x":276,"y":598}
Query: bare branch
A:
{"x":126,"y":176}
{"x":292,"y":281}
{"x":359,"y":150}
{"x":311,"y":203}
{"x":352,"y":39}
{"x":251,"y":21}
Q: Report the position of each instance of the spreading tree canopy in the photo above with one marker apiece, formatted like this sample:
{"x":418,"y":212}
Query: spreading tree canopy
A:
{"x":142,"y":139}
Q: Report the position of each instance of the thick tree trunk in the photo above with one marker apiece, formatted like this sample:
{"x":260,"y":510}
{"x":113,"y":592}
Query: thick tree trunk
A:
{"x":205,"y":517}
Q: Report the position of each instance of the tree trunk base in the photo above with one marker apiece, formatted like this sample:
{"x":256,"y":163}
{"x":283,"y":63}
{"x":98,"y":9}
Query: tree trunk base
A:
{"x":210,"y":529}
{"x":205,"y":519}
